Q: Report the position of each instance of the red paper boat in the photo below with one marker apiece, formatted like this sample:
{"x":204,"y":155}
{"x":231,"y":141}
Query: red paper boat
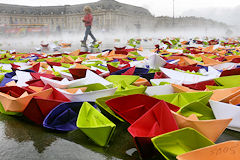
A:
{"x":78,"y":73}
{"x":230,"y":72}
{"x":133,"y":107}
{"x":158,"y":120}
{"x":38,"y":108}
{"x":201,"y":85}
{"x":44,"y":45}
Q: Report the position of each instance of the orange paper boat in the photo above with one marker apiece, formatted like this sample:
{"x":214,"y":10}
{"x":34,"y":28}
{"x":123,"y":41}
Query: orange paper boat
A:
{"x":222,"y":151}
{"x":235,"y":100}
{"x":180,"y":89}
{"x":209,"y":62}
{"x":212,"y":129}
{"x":12,"y":104}
{"x":208,"y":49}
{"x":74,"y":90}
{"x":141,"y":81}
{"x":225,"y":95}
{"x":75,"y":53}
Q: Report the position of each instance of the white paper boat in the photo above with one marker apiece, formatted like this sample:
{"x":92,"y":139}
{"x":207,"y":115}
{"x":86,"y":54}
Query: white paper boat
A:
{"x":224,"y":110}
{"x":22,"y":78}
{"x":155,"y":61}
{"x":225,"y":66}
{"x":190,"y":78}
{"x":169,"y":80}
{"x":88,"y":96}
{"x":90,"y":78}
{"x":159,"y":90}
{"x":63,"y":74}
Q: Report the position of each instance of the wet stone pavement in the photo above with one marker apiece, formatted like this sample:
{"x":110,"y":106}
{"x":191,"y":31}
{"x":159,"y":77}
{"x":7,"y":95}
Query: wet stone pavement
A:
{"x":20,"y":139}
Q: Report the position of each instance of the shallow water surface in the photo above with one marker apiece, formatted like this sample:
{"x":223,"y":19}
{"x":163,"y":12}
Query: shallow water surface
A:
{"x":23,"y":140}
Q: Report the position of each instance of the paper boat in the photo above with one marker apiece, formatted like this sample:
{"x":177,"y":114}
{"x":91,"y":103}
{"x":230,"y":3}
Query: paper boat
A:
{"x":201,"y":110}
{"x":90,"y":78}
{"x":235,"y":100}
{"x":155,"y":61}
{"x":182,"y":99}
{"x":180,"y":89}
{"x":133,"y":107}
{"x":225,"y":95}
{"x":229,"y":81}
{"x":156,"y":121}
{"x":223,"y":151}
{"x":223,"y":111}
{"x":175,"y":143}
{"x":38,"y":108}
{"x":95,"y":125}
{"x":212,"y":129}
{"x":2,"y":110}
{"x":93,"y":92}
{"x":16,"y":99}
{"x":190,"y":78}
{"x":116,"y":79}
{"x":63,"y":117}
{"x":159,"y":90}
{"x":156,"y":82}
{"x":201,"y":85}
{"x":133,"y":90}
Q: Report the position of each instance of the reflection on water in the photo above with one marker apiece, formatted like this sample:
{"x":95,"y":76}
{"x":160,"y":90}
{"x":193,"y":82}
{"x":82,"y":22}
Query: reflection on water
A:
{"x":21,"y":139}
{"x":131,"y":151}
{"x":23,"y":131}
{"x":25,"y":139}
{"x":119,"y":144}
{"x":229,"y":135}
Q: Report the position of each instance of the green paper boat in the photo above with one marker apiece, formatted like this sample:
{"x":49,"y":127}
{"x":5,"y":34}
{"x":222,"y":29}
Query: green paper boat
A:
{"x":178,"y":142}
{"x":114,"y":64}
{"x":93,"y":87}
{"x":185,"y":98}
{"x":216,"y":87}
{"x":139,"y":90}
{"x":228,"y":81}
{"x":95,"y":125}
{"x":126,"y":89}
{"x":202,"y":111}
{"x":66,"y":65}
{"x":116,"y":79}
{"x":1,"y":77}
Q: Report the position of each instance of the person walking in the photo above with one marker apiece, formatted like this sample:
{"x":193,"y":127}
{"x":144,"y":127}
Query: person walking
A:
{"x":88,"y":18}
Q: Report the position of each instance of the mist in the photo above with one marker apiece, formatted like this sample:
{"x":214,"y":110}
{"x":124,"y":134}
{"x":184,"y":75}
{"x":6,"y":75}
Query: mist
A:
{"x":30,"y":43}
{"x":229,"y":16}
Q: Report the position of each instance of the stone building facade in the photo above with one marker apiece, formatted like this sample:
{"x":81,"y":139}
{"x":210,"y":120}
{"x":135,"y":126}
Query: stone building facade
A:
{"x":109,"y":15}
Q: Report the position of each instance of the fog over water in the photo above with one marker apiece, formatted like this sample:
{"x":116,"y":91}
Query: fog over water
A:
{"x":29,"y":43}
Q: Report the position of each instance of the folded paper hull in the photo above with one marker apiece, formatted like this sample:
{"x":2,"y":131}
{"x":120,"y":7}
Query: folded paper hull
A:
{"x":222,"y":151}
{"x":95,"y":125}
{"x":179,"y":142}
{"x":159,"y":90}
{"x":212,"y":129}
{"x":158,"y":120}
{"x":89,"y":96}
{"x":132,"y":107}
{"x":38,"y":109}
{"x":63,"y":117}
{"x":11,"y":104}
{"x":185,"y":98}
{"x":223,"y":111}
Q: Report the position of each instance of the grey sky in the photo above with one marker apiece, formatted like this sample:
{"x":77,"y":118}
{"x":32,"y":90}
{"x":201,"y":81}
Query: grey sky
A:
{"x":215,"y":9}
